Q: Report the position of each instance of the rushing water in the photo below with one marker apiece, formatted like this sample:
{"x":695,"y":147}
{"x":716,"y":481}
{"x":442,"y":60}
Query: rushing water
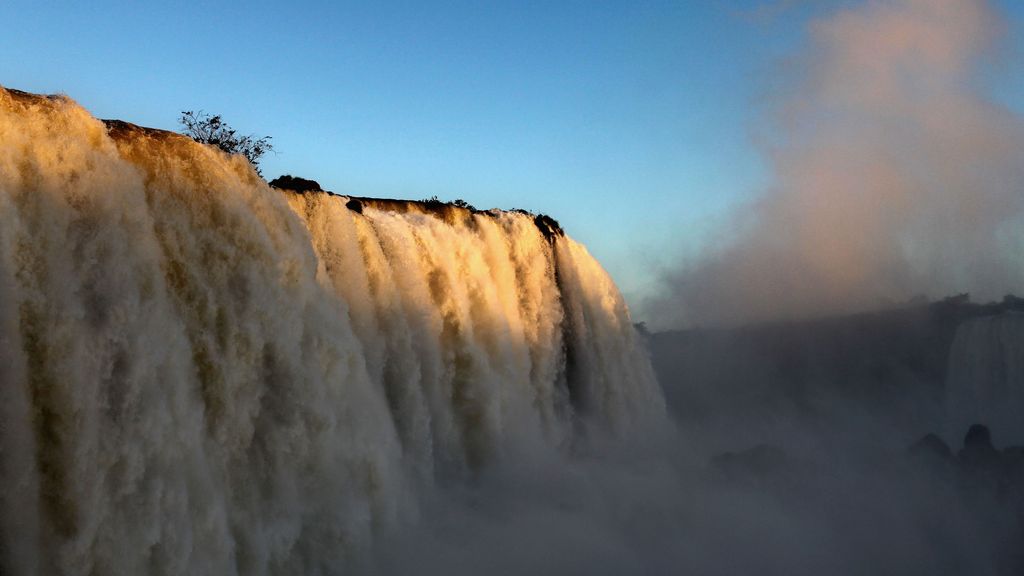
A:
{"x":200,"y":374}
{"x":985,"y":381}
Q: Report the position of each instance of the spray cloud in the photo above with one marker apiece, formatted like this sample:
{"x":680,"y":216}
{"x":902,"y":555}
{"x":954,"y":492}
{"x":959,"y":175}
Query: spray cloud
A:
{"x":894,"y":175}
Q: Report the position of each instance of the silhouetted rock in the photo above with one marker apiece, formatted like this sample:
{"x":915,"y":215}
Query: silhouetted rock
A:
{"x":978,"y":451}
{"x":978,"y":437}
{"x":548,"y":226}
{"x":930,"y":448}
{"x":294,"y":183}
{"x":1011,"y":302}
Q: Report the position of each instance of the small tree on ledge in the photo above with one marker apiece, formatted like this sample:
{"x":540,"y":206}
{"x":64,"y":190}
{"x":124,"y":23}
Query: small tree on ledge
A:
{"x":212,"y":130}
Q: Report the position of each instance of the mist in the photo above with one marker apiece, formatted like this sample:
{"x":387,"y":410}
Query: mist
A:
{"x":795,"y":449}
{"x":798,"y":446}
{"x":894,"y":175}
{"x":202,"y":374}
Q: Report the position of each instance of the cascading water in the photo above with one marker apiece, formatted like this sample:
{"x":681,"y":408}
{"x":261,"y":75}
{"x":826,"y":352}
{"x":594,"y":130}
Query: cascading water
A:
{"x":203,"y":375}
{"x":985,"y":379}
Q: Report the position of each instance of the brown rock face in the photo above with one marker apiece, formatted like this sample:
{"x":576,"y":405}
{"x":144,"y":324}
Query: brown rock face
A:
{"x":294,"y":183}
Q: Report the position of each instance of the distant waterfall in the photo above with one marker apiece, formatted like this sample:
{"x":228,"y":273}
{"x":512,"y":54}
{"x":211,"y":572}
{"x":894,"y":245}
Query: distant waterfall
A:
{"x":203,"y":375}
{"x":985,"y":379}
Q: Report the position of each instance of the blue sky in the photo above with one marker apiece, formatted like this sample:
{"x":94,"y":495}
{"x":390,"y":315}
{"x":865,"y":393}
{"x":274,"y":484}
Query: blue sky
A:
{"x":629,"y":122}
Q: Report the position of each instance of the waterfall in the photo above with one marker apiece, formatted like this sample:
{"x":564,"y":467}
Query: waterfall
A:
{"x":200,"y":374}
{"x":985,"y":378}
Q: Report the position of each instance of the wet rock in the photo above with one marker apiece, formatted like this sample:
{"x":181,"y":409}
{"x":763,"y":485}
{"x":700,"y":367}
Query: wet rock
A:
{"x":978,"y":449}
{"x":548,"y":226}
{"x":983,"y":471}
{"x":930,"y":448}
{"x":296,"y":184}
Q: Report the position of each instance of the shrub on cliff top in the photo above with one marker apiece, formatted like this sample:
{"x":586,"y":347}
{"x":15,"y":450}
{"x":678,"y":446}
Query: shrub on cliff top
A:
{"x":212,"y":130}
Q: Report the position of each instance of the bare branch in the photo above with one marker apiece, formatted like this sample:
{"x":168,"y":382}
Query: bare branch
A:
{"x":212,"y":130}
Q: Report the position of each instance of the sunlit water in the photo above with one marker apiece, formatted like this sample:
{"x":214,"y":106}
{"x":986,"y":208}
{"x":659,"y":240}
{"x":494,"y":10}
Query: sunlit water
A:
{"x":203,"y":375}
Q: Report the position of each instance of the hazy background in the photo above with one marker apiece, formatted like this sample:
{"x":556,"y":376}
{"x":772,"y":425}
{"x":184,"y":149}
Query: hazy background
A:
{"x":894,"y":174}
{"x":640,"y":126}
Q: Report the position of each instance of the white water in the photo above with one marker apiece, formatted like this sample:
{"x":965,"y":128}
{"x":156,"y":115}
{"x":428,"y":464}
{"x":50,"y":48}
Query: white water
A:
{"x":985,"y":382}
{"x":202,"y":375}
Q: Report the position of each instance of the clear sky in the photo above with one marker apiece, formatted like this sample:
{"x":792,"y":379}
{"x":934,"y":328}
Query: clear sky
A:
{"x":631,"y":123}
